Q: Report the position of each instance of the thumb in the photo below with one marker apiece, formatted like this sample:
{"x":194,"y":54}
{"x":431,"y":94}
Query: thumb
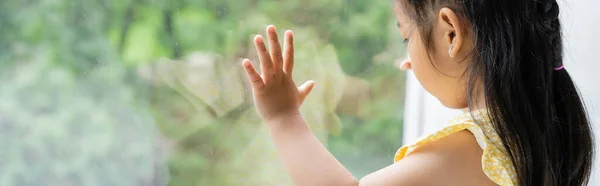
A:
{"x":305,"y":89}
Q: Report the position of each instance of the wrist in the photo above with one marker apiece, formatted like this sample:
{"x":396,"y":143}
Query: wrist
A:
{"x":281,"y":116}
{"x":285,"y":121}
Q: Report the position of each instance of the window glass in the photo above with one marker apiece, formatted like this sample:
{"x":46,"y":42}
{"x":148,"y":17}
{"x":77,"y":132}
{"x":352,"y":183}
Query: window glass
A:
{"x":151,"y":92}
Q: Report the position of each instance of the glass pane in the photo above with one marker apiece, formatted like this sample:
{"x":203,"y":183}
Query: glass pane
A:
{"x":151,"y":92}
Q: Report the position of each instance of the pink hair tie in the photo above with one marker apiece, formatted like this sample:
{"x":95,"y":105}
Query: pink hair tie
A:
{"x":560,"y":68}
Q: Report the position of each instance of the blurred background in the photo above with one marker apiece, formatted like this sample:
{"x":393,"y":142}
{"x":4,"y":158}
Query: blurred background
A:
{"x":150,"y":92}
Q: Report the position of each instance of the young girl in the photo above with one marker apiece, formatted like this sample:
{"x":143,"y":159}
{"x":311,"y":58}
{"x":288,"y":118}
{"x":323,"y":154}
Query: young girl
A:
{"x":501,"y":60}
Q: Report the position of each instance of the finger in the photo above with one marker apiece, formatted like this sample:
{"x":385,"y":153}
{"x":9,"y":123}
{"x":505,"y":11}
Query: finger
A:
{"x":288,"y":55}
{"x":253,"y":76}
{"x":266,"y":66}
{"x":274,"y":47}
{"x":305,"y":89}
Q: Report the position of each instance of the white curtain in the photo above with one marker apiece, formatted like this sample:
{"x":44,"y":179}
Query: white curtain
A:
{"x":581,"y":28}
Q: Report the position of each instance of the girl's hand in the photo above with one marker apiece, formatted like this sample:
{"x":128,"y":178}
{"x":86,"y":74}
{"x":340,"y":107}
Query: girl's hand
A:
{"x":275,"y":94}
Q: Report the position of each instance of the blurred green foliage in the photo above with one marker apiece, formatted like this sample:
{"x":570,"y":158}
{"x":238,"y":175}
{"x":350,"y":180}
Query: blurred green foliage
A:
{"x":106,"y":92}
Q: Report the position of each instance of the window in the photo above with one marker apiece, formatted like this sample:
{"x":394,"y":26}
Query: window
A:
{"x":146,"y":92}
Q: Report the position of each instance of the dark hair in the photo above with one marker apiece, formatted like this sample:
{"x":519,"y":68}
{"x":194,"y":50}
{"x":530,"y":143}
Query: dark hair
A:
{"x":535,"y":109}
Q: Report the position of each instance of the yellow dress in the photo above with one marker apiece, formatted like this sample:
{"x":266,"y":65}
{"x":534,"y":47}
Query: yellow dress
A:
{"x":495,"y":162}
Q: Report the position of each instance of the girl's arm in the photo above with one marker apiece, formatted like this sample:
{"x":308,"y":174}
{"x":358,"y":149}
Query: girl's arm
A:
{"x":446,"y":162}
{"x":278,"y":100}
{"x":306,"y":160}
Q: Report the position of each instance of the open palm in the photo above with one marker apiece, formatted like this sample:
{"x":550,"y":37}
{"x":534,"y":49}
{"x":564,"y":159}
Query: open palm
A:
{"x":275,"y":93}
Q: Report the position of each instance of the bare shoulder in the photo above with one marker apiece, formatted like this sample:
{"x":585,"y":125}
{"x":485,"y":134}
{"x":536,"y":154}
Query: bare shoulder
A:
{"x":452,"y":160}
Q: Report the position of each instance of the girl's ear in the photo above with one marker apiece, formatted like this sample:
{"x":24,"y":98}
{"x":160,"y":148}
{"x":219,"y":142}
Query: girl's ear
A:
{"x":451,"y":27}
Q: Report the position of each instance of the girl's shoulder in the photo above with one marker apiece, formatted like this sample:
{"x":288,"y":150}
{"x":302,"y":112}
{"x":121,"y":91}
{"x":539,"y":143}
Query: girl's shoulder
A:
{"x":453,"y":161}
{"x":464,"y":137}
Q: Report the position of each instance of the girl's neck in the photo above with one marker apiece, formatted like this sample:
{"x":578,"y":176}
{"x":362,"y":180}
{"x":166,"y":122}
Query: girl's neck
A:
{"x":477,"y":105}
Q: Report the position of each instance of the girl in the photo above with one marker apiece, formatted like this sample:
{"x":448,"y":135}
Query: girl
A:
{"x":500,"y":60}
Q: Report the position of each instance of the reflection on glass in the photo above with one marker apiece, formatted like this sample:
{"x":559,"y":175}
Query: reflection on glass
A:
{"x":145,"y":92}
